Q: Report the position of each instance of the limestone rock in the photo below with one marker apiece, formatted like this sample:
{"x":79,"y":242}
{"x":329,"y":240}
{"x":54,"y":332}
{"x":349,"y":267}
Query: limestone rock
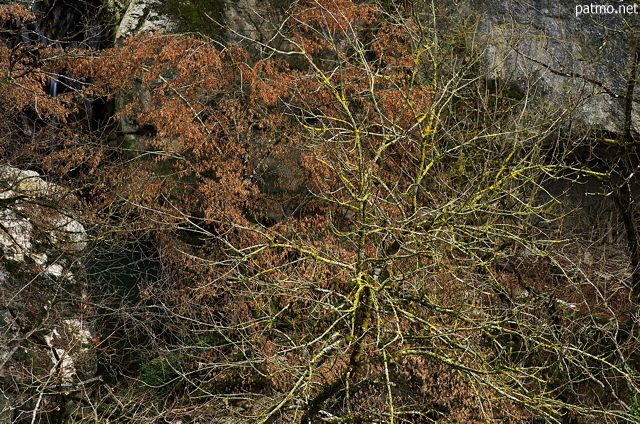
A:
{"x":71,"y":351}
{"x":46,"y":329}
{"x":25,"y":222}
{"x":569,"y":63}
{"x":144,"y":16}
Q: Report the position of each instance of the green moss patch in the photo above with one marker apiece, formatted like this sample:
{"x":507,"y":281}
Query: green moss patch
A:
{"x":197,"y":16}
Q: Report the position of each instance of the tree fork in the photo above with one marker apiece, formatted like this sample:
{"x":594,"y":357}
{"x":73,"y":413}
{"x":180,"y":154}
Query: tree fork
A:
{"x":361,"y":322}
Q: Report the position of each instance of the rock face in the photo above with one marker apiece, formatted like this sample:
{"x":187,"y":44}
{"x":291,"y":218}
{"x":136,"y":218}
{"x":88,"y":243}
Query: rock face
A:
{"x":144,"y":16}
{"x":46,"y":337}
{"x":571,"y":62}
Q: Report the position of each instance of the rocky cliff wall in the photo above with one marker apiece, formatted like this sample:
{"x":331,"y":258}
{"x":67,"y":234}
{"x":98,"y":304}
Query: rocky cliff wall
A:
{"x":46,"y":336}
{"x":575,"y":64}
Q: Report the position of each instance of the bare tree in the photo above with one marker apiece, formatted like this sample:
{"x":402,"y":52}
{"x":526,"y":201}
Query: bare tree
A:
{"x":353,"y":226}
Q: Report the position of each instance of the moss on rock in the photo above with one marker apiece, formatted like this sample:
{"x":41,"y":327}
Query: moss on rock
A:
{"x":197,"y":16}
